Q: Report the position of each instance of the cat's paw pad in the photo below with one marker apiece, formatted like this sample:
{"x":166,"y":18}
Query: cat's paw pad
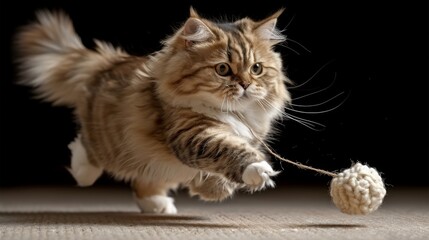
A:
{"x":157,"y":204}
{"x":257,"y":175}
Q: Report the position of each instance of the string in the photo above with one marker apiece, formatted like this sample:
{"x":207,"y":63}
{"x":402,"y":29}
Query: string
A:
{"x":297,"y":164}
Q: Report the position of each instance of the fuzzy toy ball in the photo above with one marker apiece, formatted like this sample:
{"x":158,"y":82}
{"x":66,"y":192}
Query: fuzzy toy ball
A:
{"x":358,"y":190}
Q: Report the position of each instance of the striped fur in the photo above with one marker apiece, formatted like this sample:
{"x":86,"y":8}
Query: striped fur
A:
{"x":169,"y":118}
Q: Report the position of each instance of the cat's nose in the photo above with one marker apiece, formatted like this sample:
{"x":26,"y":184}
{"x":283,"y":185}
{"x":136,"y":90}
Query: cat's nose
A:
{"x":244,"y":84}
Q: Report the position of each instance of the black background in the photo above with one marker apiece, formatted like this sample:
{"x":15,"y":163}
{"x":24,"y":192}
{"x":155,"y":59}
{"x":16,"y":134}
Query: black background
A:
{"x":373,"y":53}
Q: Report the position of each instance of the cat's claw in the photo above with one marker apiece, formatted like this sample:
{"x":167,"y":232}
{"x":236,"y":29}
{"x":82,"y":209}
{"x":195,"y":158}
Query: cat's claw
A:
{"x":257,"y":175}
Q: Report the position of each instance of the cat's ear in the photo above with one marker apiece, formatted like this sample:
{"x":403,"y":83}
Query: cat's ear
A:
{"x":193,"y":13}
{"x":266,"y":29}
{"x":195,"y":31}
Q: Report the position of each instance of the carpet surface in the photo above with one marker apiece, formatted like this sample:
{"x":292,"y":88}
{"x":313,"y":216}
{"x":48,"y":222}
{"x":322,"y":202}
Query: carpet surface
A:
{"x":106,"y":213}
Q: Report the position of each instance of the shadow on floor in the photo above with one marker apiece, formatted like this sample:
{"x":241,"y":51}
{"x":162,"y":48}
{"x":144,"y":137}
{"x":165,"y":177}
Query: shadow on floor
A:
{"x":130,"y":219}
{"x":108,"y":218}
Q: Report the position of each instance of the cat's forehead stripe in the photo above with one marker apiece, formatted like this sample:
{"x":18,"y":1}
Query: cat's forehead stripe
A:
{"x":237,"y":42}
{"x":238,"y":47}
{"x":228,"y":50}
{"x":243,"y":47}
{"x":233,"y":51}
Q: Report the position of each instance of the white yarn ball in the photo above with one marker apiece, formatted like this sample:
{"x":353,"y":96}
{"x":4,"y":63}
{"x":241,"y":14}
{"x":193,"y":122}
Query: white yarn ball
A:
{"x":358,"y":190}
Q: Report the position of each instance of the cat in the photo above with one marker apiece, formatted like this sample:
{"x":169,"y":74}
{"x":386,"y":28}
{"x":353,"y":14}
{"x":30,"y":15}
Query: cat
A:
{"x":189,"y":115}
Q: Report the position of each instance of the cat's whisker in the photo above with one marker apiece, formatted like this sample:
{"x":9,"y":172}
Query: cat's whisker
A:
{"x":289,"y":48}
{"x":261,"y":105}
{"x":321,"y":111}
{"x":318,"y":91}
{"x":316,"y":104}
{"x":305,"y":122}
{"x":296,"y":42}
{"x":270,"y":105}
{"x":290,"y":21}
{"x":317,"y":112}
{"x":308,"y":80}
{"x":313,"y":123}
{"x":282,"y":113}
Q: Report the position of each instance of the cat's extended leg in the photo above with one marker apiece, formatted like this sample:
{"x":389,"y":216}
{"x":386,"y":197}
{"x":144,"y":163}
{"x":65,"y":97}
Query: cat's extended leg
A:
{"x":81,"y":169}
{"x":152,"y":197}
{"x":209,"y":146}
{"x":211,"y":187}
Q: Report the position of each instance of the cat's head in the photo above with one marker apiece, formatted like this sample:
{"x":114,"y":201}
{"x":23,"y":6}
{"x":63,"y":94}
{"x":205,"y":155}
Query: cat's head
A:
{"x":222,"y":65}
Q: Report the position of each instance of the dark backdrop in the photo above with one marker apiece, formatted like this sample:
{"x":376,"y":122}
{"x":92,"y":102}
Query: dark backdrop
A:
{"x":374,"y":54}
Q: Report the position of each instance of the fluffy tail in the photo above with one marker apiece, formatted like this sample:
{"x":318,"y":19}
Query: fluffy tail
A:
{"x":53,"y":60}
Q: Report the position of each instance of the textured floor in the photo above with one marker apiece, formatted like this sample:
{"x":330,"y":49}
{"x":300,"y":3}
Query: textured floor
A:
{"x":284,"y":213}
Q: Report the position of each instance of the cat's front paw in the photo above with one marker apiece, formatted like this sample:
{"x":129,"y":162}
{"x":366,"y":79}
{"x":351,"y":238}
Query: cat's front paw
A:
{"x":257,"y":175}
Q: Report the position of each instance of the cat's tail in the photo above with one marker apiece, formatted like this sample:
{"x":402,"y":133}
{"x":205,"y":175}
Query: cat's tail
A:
{"x":53,"y":60}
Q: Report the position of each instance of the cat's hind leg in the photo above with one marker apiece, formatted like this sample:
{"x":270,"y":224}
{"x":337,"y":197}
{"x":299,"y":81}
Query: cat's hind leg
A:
{"x":81,"y":169}
{"x":152,"y":197}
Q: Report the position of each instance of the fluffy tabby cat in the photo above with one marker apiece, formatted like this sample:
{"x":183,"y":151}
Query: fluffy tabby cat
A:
{"x":186,"y":115}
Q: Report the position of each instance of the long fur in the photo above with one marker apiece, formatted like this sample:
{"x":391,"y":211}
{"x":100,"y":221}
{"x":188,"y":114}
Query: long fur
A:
{"x":171,"y":117}
{"x":53,"y":59}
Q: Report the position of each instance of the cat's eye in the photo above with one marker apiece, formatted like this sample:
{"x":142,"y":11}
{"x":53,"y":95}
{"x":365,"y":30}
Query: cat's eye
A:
{"x":256,"y":69}
{"x":223,"y":69}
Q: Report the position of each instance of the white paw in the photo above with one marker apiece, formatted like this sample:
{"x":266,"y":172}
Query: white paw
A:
{"x":257,"y":175}
{"x":157,"y":204}
{"x":82,"y":171}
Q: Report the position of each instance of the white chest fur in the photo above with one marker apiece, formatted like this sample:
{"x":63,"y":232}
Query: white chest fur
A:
{"x":239,"y":127}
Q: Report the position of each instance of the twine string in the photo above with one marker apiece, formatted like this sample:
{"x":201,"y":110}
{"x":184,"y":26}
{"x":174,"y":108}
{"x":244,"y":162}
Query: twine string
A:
{"x":297,"y":164}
